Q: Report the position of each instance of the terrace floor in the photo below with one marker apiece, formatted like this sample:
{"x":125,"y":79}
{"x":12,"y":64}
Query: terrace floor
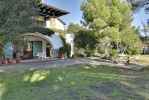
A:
{"x":58,"y":63}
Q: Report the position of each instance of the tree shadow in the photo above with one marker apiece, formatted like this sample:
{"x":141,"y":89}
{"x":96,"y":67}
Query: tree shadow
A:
{"x":14,"y":83}
{"x":52,"y":84}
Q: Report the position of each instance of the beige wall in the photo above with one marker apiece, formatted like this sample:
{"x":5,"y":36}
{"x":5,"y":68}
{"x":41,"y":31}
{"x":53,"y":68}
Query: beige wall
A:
{"x":54,"y":23}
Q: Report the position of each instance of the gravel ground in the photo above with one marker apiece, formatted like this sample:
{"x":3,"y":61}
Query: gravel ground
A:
{"x":52,"y":63}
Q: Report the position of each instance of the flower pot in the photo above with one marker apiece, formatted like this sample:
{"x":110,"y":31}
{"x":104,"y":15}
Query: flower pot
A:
{"x":10,"y":61}
{"x":62,"y":56}
{"x":18,"y":60}
{"x":5,"y":61}
{"x":13,"y":61}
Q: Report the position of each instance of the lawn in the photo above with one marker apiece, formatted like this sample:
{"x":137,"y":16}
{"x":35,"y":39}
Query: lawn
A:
{"x":80,"y":82}
{"x":143,"y":59}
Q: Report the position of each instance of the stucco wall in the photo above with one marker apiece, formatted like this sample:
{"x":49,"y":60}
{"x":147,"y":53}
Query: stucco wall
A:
{"x":54,"y":23}
{"x":54,"y":40}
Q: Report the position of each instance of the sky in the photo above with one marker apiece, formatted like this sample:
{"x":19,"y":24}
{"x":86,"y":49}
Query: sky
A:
{"x":140,"y":18}
{"x":73,"y":6}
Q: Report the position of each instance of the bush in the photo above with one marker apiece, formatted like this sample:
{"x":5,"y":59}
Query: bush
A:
{"x":1,"y":51}
{"x":62,"y":50}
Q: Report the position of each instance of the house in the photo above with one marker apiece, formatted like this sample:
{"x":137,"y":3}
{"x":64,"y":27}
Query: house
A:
{"x":42,"y":42}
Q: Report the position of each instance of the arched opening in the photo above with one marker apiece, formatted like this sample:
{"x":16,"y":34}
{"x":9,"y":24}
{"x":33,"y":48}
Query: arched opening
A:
{"x":39,"y":45}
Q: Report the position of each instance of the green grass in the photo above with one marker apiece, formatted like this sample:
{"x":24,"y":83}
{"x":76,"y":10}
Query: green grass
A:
{"x":80,"y":82}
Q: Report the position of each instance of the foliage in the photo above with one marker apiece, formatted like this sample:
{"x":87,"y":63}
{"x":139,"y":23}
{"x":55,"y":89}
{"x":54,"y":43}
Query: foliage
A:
{"x":1,"y":44}
{"x":84,"y":40}
{"x":16,"y":16}
{"x":65,"y":49}
{"x":136,"y":4}
{"x":74,"y":28}
{"x":62,"y":50}
{"x":109,"y":22}
{"x":68,"y":50}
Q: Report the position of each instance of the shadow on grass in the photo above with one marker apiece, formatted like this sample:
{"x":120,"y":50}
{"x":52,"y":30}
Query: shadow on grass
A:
{"x":84,"y":82}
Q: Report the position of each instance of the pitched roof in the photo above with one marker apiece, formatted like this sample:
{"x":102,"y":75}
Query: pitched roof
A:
{"x":49,"y":11}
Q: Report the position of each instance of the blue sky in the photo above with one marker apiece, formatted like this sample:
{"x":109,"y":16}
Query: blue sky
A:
{"x":73,"y":6}
{"x":140,"y":18}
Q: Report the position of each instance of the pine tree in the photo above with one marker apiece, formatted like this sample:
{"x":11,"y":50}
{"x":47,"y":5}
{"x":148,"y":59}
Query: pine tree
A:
{"x":110,"y":20}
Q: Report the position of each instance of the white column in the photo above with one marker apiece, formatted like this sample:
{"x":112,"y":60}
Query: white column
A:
{"x":70,"y":40}
{"x":44,"y":48}
{"x":72,"y":49}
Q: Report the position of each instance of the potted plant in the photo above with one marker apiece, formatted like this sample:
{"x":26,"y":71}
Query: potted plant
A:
{"x":62,"y":52}
{"x":18,"y":58}
{"x":13,"y":61}
{"x":4,"y":61}
{"x":10,"y":61}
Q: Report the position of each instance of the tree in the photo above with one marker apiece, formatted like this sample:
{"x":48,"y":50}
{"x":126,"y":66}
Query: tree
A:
{"x":110,"y":21}
{"x":1,"y":44}
{"x":137,"y":3}
{"x":16,"y":16}
{"x":84,"y":39}
{"x":74,"y":28}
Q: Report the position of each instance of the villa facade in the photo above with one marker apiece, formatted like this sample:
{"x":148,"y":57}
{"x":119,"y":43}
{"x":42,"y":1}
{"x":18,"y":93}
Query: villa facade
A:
{"x":44,"y":44}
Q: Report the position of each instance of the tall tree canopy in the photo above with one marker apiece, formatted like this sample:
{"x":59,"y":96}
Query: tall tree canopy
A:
{"x":110,"y":21}
{"x":16,"y":16}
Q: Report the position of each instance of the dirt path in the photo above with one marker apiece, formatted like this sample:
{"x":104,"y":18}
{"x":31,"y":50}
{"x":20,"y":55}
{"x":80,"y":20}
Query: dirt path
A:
{"x":63,"y":63}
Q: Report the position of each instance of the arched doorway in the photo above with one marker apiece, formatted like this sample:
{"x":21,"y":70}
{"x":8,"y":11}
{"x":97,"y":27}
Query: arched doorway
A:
{"x":39,"y":45}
